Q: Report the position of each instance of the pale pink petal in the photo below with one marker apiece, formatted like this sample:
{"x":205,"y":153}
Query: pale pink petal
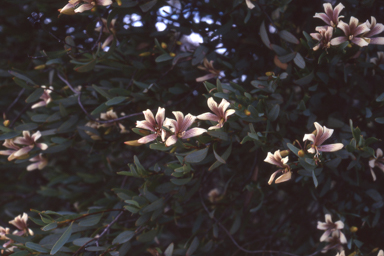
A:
{"x":375,"y":30}
{"x":329,"y":33}
{"x":149,"y":117}
{"x":283,"y":178}
{"x":324,"y":17}
{"x":21,"y":140}
{"x":218,"y":126}
{"x":148,"y":138}
{"x":359,"y":41}
{"x":360,"y":29}
{"x":322,"y":225}
{"x":271,"y":159}
{"x":12,"y":157}
{"x":39,"y":104}
{"x":328,"y":218}
{"x":170,"y":123}
{"x":160,"y":116}
{"x":7,"y":152}
{"x":327,"y":133}
{"x":285,"y":160}
{"x":163,"y":134}
{"x":339,"y":40}
{"x":316,"y":36}
{"x":223,"y":106}
{"x":22,"y":151}
{"x":188,"y":121}
{"x":330,"y":147}
{"x":42,"y":146}
{"x":343,"y":239}
{"x":208,"y":116}
{"x":171,"y":140}
{"x":249,"y":4}
{"x":229,"y":112}
{"x":312,"y":150}
{"x":377,"y":40}
{"x":145,"y":125}
{"x":337,"y":10}
{"x":380,"y":165}
{"x":36,"y":136}
{"x":339,"y":224}
{"x":272,"y":178}
{"x":319,"y":132}
{"x":344,"y":26}
{"x":316,"y":47}
{"x":353,"y":23}
{"x":277,"y":156}
{"x":379,"y":153}
{"x":381,"y":253}
{"x":107,"y":41}
{"x":179,"y":119}
{"x":103,"y":2}
{"x":328,"y":10}
{"x":310,"y":137}
{"x":193,"y":132}
{"x":84,"y":7}
{"x":33,"y":166}
{"x":213,"y":106}
{"x":373,"y":174}
{"x":205,"y":78}
{"x":325,"y":235}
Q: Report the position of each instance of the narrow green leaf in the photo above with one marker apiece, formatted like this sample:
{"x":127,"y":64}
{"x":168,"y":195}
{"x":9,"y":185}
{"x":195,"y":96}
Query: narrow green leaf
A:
{"x":305,"y":80}
{"x":279,"y":50}
{"x":102,"y":92}
{"x":62,"y":240}
{"x":288,"y":57}
{"x":87,"y":67}
{"x":99,"y":109}
{"x":35,"y":95}
{"x":163,"y":57}
{"x":264,"y":35}
{"x":181,"y":182}
{"x":90,"y":220}
{"x":294,"y":149}
{"x":314,"y":179}
{"x":50,"y":226}
{"x":274,"y":113}
{"x":193,"y":247}
{"x":36,"y":247}
{"x":147,"y":6}
{"x":123,"y":237}
{"x":380,"y":120}
{"x":26,"y":127}
{"x":9,"y":135}
{"x":115,"y":100}
{"x":218,"y":158}
{"x":289,"y":37}
{"x":169,"y":250}
{"x":22,"y":77}
{"x":196,"y":156}
{"x":299,"y":61}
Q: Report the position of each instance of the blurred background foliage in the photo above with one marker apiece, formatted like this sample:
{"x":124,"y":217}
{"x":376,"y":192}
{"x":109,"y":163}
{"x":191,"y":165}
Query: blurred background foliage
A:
{"x":153,"y":61}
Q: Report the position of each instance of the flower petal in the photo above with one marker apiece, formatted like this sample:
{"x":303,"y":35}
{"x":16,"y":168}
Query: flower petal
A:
{"x":344,"y":26}
{"x":223,"y":106}
{"x":343,"y":239}
{"x":330,"y":147}
{"x":145,"y":125}
{"x":179,"y":119}
{"x":187,"y":122}
{"x":373,"y":174}
{"x":148,"y":138}
{"x":36,"y":136}
{"x":377,"y":40}
{"x":328,"y":218}
{"x":359,"y":41}
{"x":272,"y":178}
{"x":39,"y":104}
{"x":325,"y":235}
{"x":360,"y":29}
{"x":322,"y":225}
{"x":33,"y":166}
{"x":339,"y":224}
{"x":22,"y":151}
{"x":228,"y":113}
{"x":205,"y":78}
{"x":160,"y":116}
{"x":83,"y":8}
{"x":208,"y":116}
{"x":249,"y":4}
{"x":218,"y":126}
{"x":107,"y":41}
{"x":324,"y":17}
{"x":271,"y":159}
{"x":375,"y":30}
{"x":213,"y":106}
{"x":171,"y":140}
{"x":42,"y":146}
{"x":379,"y":153}
{"x":316,"y":36}
{"x":327,"y":133}
{"x":283,"y":178}
{"x":339,"y":40}
{"x":328,"y":10}
{"x":194,"y":132}
{"x":353,"y":23}
{"x":310,"y":137}
{"x":337,"y":10}
{"x":103,"y":2}
{"x":149,"y":117}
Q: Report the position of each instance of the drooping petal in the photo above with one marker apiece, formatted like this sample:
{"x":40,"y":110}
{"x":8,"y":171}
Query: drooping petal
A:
{"x":283,"y":178}
{"x":344,"y":26}
{"x":325,"y":235}
{"x":171,"y":140}
{"x":228,"y":113}
{"x":324,"y":17}
{"x":377,"y":40}
{"x":179,"y":119}
{"x":145,"y":125}
{"x":339,"y":224}
{"x":310,"y":137}
{"x":328,"y":10}
{"x":218,"y":126}
{"x":375,"y":30}
{"x":22,"y":151}
{"x":360,"y":29}
{"x":148,"y":138}
{"x":188,"y":121}
{"x":160,"y":116}
{"x":373,"y":174}
{"x":107,"y":41}
{"x":213,"y":106}
{"x":7,"y":152}
{"x":33,"y":166}
{"x":194,"y":132}
{"x":343,"y":239}
{"x":83,"y":8}
{"x":272,"y":178}
{"x":359,"y":41}
{"x":327,"y":133}
{"x":337,"y":10}
{"x":39,"y":104}
{"x":42,"y":146}
{"x":339,"y":40}
{"x":249,"y":4}
{"x":330,"y":147}
{"x":208,"y":116}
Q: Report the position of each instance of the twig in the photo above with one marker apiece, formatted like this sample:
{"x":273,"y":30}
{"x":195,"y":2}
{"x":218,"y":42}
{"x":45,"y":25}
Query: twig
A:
{"x":88,"y":214}
{"x":15,"y":101}
{"x":102,"y":234}
{"x":68,"y":84}
{"x":100,"y":34}
{"x":19,"y":115}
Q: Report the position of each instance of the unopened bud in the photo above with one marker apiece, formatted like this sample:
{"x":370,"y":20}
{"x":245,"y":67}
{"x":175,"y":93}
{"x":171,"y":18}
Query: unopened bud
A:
{"x":133,"y":143}
{"x":353,"y":229}
{"x":179,"y":43}
{"x":6,"y":123}
{"x":270,"y":73}
{"x":40,"y":67}
{"x":163,"y":45}
{"x":172,"y":54}
{"x":144,"y":54}
{"x":118,"y":2}
{"x":247,"y":112}
{"x":284,"y":153}
{"x":375,"y":249}
{"x":301,"y":153}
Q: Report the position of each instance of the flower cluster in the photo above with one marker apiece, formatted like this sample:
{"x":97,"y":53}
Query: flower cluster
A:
{"x":317,"y":138}
{"x":180,"y":126}
{"x":361,"y":35}
{"x":20,"y":222}
{"x":77,"y":6}
{"x":337,"y":237}
{"x":111,"y":116}
{"x":19,"y":148}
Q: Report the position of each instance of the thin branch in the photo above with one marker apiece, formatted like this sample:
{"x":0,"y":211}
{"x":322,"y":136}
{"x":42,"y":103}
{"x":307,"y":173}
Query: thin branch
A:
{"x":15,"y":101}
{"x":67,"y":83}
{"x":19,"y":115}
{"x":88,"y":214}
{"x":99,"y":236}
{"x":100,"y":34}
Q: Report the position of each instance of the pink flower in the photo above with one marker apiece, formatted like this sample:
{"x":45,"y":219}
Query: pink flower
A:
{"x":180,"y":128}
{"x":110,"y":31}
{"x":20,"y":222}
{"x":324,"y":37}
{"x":208,"y":66}
{"x":39,"y":163}
{"x":330,"y":227}
{"x":375,"y":29}
{"x":73,"y":6}
{"x":351,"y":32}
{"x":331,"y":16}
{"x":30,"y":142}
{"x":277,"y":160}
{"x":9,"y":143}
{"x":378,"y":161}
{"x":153,"y":125}
{"x":334,"y":242}
{"x":220,"y":113}
{"x":46,"y":98}
{"x":322,"y":134}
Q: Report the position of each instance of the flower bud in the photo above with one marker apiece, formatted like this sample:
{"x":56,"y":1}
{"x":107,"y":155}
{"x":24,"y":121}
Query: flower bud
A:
{"x":144,"y":54}
{"x":6,"y":123}
{"x":270,"y":73}
{"x":118,"y":2}
{"x":40,"y":67}
{"x":284,"y":153}
{"x":301,"y":153}
{"x":172,"y":54}
{"x":163,"y":45}
{"x":247,"y":112}
{"x":133,"y":143}
{"x":353,"y":229}
{"x":179,"y":43}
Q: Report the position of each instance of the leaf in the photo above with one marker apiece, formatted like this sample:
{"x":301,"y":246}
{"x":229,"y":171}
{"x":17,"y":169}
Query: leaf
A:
{"x":90,"y":220}
{"x":294,"y":149}
{"x":218,"y":158}
{"x":147,"y":237}
{"x":72,"y":120}
{"x":274,"y":113}
{"x":374,"y":195}
{"x":102,"y":92}
{"x":62,"y":240}
{"x":380,"y":98}
{"x":193,"y":247}
{"x":9,"y":135}
{"x":147,"y":6}
{"x":279,"y":50}
{"x":115,"y":100}
{"x":87,"y":67}
{"x":22,"y":77}
{"x":123,"y":237}
{"x":196,"y":156}
{"x":35,"y":95}
{"x":314,"y":179}
{"x":289,"y":37}
{"x":264,"y":35}
{"x":287,"y":58}
{"x":380,"y":120}
{"x":163,"y":57}
{"x":169,"y":250}
{"x":36,"y":247}
{"x":199,"y":54}
{"x":50,"y":226}
{"x":218,"y":134}
{"x":299,"y":61}
{"x":154,"y":206}
{"x":82,"y":241}
{"x":181,"y":182}
{"x":99,"y":109}
{"x":21,"y":253}
{"x":26,"y":127}
{"x":305,"y":80}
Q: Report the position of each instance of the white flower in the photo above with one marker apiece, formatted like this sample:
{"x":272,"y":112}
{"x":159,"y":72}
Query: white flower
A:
{"x":20,"y":222}
{"x":45,"y":99}
{"x":378,"y":161}
{"x":220,"y":113}
{"x":39,"y":163}
{"x":330,"y":227}
{"x":152,"y":124}
{"x":277,"y":160}
{"x":30,"y":142}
